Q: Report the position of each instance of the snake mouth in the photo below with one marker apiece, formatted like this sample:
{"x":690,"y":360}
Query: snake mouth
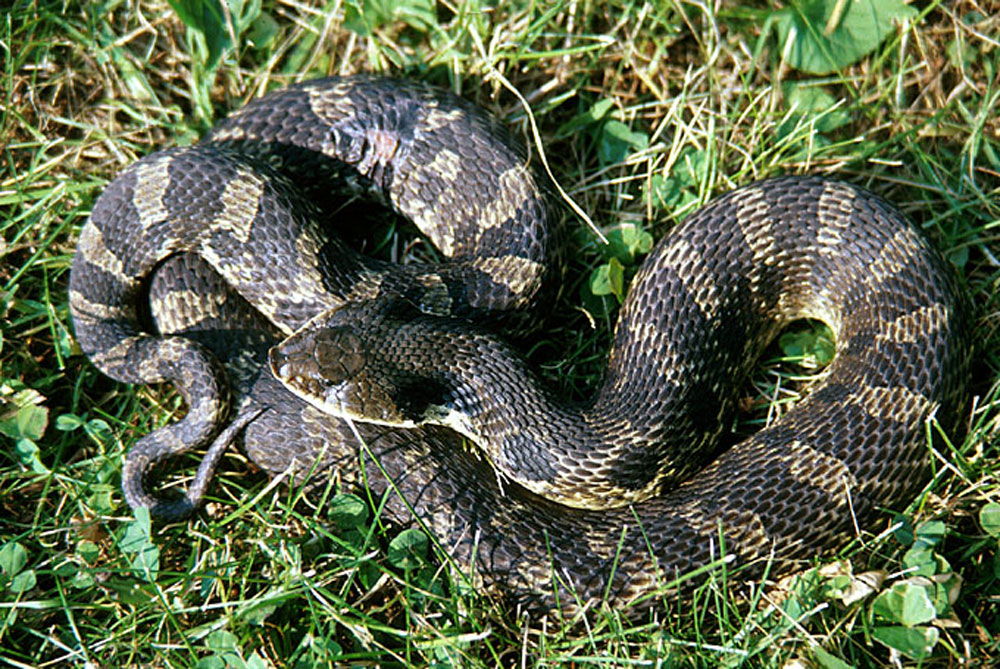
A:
{"x":352,"y":398}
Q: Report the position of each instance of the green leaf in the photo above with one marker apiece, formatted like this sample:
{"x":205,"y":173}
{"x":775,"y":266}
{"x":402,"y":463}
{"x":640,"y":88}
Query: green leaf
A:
{"x":13,"y":558}
{"x":365,"y":16}
{"x":138,"y":533}
{"x":817,"y":41}
{"x":27,"y":453}
{"x":930,"y":533}
{"x":138,"y":541}
{"x":207,"y":18}
{"x":314,"y":651}
{"x":348,"y":511}
{"x":917,"y":606}
{"x":944,"y":590}
{"x":663,"y":192}
{"x":609,"y":279}
{"x":409,"y":549}
{"x":920,"y":561}
{"x":828,"y":661}
{"x":258,"y":614}
{"x":906,"y":603}
{"x":904,"y":533}
{"x":627,"y":241}
{"x":989,"y":518}
{"x":146,"y":563}
{"x":692,"y":167}
{"x":101,"y":499}
{"x":256,"y":661}
{"x":597,"y":112}
{"x":222,"y":640}
{"x":23,"y":582}
{"x":812,"y":105}
{"x":618,"y":141}
{"x":82,"y":580}
{"x":814,"y":347}
{"x":262,"y":30}
{"x":89,"y":551}
{"x":678,"y":190}
{"x":29,"y":420}
{"x":599,"y":307}
{"x":99,"y":430}
{"x":916,"y":643}
{"x":68,"y":422}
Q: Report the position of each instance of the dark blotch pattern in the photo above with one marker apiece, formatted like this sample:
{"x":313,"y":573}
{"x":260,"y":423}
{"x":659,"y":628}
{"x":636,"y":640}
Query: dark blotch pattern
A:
{"x":703,"y":306}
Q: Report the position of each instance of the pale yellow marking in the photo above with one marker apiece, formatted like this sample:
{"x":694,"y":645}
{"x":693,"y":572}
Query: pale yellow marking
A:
{"x":834,"y":198}
{"x":908,"y":328}
{"x":151,"y":185}
{"x":829,"y":240}
{"x":437,"y":220}
{"x":427,"y":217}
{"x":536,"y":574}
{"x":899,"y":404}
{"x":887,"y":264}
{"x":84,"y":309}
{"x":599,"y":543}
{"x":231,"y":133}
{"x":748,"y":530}
{"x":665,"y":357}
{"x":691,"y":268}
{"x":435,"y":299}
{"x":757,"y":230}
{"x":837,"y":196}
{"x":515,"y":186}
{"x":240,"y":204}
{"x":96,"y":252}
{"x":436,"y":118}
{"x":331,"y":103}
{"x":367,"y":288}
{"x":758,"y":235}
{"x":517,"y":273}
{"x":244,"y":278}
{"x":114,"y":357}
{"x":430,"y":280}
{"x":446,"y":166}
{"x":179,"y":305}
{"x":835,"y":205}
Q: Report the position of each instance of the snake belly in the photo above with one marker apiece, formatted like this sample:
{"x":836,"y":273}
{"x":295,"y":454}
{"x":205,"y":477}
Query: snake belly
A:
{"x":170,"y":255}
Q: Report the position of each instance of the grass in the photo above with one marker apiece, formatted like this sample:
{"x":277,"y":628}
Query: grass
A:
{"x":645,"y":112}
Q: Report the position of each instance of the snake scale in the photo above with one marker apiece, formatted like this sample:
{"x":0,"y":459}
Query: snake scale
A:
{"x":209,"y":266}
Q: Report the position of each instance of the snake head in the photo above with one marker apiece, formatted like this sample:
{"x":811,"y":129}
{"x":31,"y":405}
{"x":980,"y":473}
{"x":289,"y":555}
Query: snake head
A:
{"x":329,"y":363}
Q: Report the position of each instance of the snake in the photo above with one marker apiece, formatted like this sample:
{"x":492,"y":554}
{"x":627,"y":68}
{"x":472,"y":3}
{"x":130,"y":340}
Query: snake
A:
{"x":219,"y":268}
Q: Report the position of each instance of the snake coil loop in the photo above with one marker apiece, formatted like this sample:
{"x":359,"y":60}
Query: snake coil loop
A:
{"x":227,"y":245}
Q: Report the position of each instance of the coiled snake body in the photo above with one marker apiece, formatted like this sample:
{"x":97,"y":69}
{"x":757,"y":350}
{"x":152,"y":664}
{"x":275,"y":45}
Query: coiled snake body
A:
{"x":197,"y":261}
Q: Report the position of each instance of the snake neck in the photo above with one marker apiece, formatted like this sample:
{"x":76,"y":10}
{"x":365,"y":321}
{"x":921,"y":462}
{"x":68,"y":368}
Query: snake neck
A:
{"x":431,"y":370}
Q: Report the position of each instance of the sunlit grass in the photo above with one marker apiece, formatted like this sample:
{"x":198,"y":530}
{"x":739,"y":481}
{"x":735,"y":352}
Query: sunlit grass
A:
{"x":644,"y":113}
